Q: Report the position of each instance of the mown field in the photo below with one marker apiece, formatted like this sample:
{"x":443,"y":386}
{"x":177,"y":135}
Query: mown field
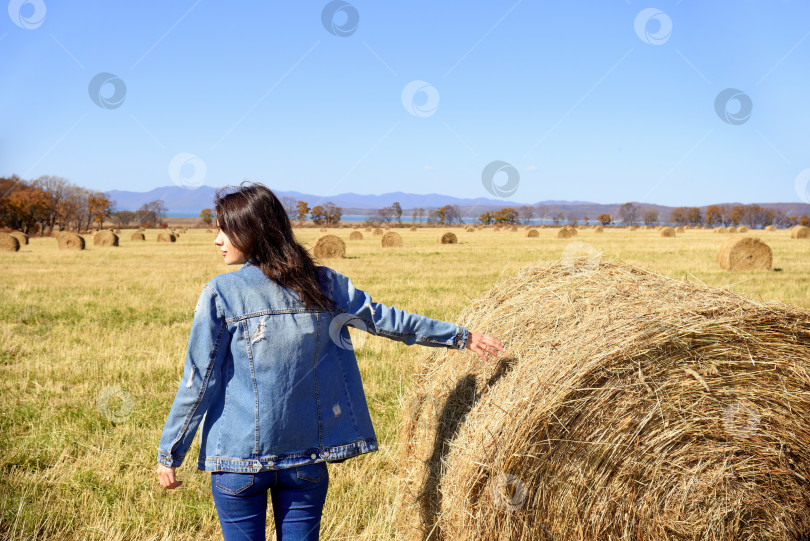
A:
{"x":81,"y":330}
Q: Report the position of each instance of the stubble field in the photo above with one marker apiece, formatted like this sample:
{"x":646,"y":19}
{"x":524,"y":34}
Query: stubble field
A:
{"x":92,"y":345}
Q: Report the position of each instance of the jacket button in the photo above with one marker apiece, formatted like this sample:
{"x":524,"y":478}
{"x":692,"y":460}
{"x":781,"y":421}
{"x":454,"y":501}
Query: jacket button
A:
{"x":313,"y":456}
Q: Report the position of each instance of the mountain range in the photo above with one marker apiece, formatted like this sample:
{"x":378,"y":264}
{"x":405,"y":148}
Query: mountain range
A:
{"x":189,"y":202}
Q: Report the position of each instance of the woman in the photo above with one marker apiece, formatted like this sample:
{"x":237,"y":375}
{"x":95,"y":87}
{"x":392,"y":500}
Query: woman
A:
{"x":271,"y":369}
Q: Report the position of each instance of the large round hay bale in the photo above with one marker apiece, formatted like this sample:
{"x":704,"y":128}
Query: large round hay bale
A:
{"x":598,"y":229}
{"x":667,"y":232}
{"x":566,"y":233}
{"x":71,"y":241}
{"x":165,"y":236}
{"x":329,"y":246}
{"x":800,"y":232}
{"x":469,"y":229}
{"x":20,"y":236}
{"x":105,"y":238}
{"x":448,"y":238}
{"x":532,"y":233}
{"x":770,"y":227}
{"x":9,"y":243}
{"x":377,"y":231}
{"x":137,"y":235}
{"x":742,"y":229}
{"x":744,"y":253}
{"x":628,"y":406}
{"x":391,"y":240}
{"x":355,"y":235}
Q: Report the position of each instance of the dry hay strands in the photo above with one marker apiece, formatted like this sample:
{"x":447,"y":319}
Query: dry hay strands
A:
{"x":71,"y":241}
{"x":20,"y":236}
{"x":532,"y":233}
{"x":377,"y":231}
{"x":137,"y":235}
{"x":448,"y":238}
{"x":355,"y":235}
{"x":770,"y":228}
{"x":9,"y":243}
{"x":391,"y":240}
{"x":165,"y":236}
{"x":744,"y":253}
{"x":800,"y":232}
{"x":628,"y":405}
{"x":105,"y":238}
{"x":329,"y":246}
{"x":667,"y":232}
{"x":566,"y":232}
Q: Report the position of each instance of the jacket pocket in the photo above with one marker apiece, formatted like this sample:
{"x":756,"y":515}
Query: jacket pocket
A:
{"x":314,"y":473}
{"x":233,"y":483}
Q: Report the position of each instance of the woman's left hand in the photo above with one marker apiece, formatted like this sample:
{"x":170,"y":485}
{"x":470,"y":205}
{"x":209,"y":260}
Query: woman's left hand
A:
{"x":483,"y":345}
{"x":167,"y":478}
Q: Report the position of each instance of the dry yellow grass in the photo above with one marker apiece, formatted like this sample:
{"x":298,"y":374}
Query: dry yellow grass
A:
{"x":74,"y":323}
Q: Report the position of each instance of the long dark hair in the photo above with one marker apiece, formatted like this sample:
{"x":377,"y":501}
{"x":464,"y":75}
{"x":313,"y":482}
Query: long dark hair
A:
{"x":257,"y":224}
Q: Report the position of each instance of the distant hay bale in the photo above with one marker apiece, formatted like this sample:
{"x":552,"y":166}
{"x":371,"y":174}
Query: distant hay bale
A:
{"x":497,"y":228}
{"x":469,"y":229}
{"x":667,"y":232}
{"x":165,"y":236}
{"x":628,"y":405}
{"x":731,"y":229}
{"x":209,"y":231}
{"x":513,"y":228}
{"x":770,"y":228}
{"x":391,"y":240}
{"x":448,"y":238}
{"x":680,"y":230}
{"x":532,"y":233}
{"x":137,"y":235}
{"x":413,"y":228}
{"x":800,"y":232}
{"x":368,"y":230}
{"x":9,"y":243}
{"x":323,"y":230}
{"x":329,"y":246}
{"x":742,"y":229}
{"x":721,"y":230}
{"x":117,"y":231}
{"x":633,"y":227}
{"x":105,"y":238}
{"x":744,"y":253}
{"x":598,"y":229}
{"x":566,"y":233}
{"x":355,"y":235}
{"x":20,"y":236}
{"x":71,"y":241}
{"x":377,"y":231}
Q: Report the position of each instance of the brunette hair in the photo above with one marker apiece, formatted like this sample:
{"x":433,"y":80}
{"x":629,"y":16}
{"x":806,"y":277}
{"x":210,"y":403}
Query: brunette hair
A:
{"x":257,"y":224}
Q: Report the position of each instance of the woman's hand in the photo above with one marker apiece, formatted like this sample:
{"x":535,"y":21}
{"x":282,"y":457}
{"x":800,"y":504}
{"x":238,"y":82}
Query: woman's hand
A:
{"x":483,"y":345}
{"x":167,"y":478}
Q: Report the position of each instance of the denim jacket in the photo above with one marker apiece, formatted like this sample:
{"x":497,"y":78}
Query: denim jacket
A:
{"x":276,"y":384}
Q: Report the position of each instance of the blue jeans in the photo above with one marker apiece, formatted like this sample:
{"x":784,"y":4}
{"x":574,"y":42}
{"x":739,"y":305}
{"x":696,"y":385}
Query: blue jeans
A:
{"x":297,"y":493}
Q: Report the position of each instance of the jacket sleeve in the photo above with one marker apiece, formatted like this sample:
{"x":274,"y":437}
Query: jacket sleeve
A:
{"x":208,"y":343}
{"x":356,"y":309}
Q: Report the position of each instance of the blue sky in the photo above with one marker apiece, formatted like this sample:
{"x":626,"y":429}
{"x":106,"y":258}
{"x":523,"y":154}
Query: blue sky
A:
{"x":584,"y":101}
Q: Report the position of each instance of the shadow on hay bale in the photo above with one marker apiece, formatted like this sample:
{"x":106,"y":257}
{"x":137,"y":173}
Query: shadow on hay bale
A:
{"x":628,"y":406}
{"x":9,"y":243}
{"x":20,"y":236}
